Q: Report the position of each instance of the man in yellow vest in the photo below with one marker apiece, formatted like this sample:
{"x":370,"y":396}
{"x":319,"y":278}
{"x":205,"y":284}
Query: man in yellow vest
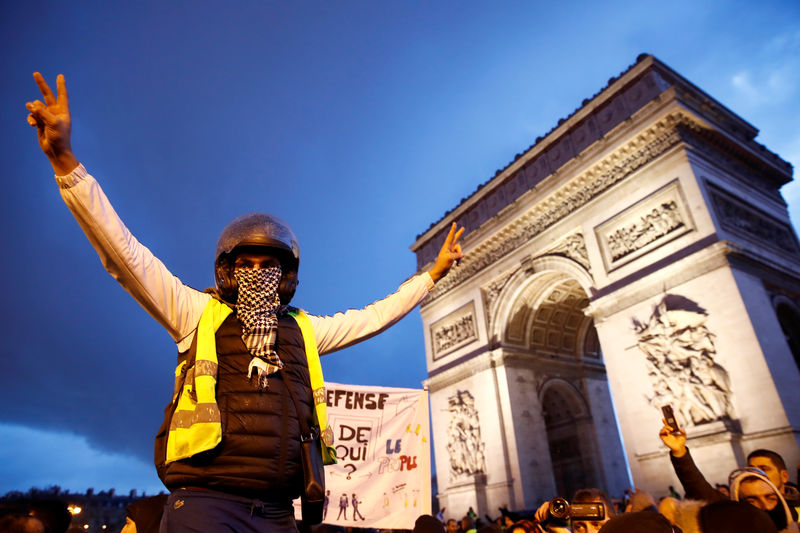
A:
{"x":248,"y":368}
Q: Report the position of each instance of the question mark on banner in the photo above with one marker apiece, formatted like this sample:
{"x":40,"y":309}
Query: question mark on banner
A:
{"x":351,"y":471}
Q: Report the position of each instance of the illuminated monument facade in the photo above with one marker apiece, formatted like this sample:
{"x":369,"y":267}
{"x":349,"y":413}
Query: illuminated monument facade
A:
{"x":639,"y":251}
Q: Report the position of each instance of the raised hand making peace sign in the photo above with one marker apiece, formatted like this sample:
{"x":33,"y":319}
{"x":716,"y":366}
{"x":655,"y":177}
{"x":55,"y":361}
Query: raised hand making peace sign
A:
{"x":449,"y":254}
{"x":53,"y":124}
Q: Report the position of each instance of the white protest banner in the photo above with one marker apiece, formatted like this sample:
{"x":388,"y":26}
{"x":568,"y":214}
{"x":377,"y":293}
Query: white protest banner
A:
{"x":383,"y":478}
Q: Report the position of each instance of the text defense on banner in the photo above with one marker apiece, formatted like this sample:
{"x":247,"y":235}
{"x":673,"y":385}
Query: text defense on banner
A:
{"x":383,"y":479}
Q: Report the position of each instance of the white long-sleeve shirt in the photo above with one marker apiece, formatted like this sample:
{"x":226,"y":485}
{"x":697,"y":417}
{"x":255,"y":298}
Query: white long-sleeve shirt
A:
{"x":178,"y":307}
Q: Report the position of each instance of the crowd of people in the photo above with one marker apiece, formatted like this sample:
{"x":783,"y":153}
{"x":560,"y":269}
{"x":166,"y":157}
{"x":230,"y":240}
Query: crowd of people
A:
{"x":758,"y":498}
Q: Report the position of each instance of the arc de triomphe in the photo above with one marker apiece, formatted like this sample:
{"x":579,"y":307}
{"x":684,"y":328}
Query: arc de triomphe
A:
{"x":640,"y":251}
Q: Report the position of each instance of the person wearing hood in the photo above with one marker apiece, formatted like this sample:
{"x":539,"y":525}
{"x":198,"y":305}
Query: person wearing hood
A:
{"x":774,"y":466}
{"x":144,"y":515}
{"x":753,"y":486}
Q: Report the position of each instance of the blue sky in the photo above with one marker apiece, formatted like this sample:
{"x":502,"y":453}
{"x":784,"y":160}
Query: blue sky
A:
{"x":358,"y":122}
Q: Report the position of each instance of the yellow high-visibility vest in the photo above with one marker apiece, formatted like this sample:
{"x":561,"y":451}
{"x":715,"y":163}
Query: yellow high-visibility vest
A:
{"x":196,"y":424}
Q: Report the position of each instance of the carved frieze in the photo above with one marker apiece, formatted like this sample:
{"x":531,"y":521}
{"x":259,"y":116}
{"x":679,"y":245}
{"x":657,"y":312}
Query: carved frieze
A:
{"x":743,"y":219}
{"x":644,"y":226}
{"x":457,"y":329}
{"x":659,"y":222}
{"x":465,"y":448}
{"x":645,"y":147}
{"x":682,"y":362}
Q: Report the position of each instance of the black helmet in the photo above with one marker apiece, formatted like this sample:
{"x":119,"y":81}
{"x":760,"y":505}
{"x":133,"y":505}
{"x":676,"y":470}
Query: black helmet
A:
{"x":260,"y":230}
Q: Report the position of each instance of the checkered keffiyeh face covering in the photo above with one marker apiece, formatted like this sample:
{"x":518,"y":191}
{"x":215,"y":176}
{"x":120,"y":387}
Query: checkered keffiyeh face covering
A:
{"x":257,"y":307}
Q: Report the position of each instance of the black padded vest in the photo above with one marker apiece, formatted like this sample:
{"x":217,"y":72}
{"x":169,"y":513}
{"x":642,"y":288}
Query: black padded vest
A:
{"x":259,"y":453}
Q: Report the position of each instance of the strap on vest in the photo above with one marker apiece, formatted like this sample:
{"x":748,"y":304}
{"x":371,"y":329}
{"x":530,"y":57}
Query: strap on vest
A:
{"x":317,"y":386}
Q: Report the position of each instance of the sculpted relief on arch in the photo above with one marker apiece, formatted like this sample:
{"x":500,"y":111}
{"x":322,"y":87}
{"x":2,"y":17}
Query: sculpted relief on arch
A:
{"x":573,"y":247}
{"x":682,"y":362}
{"x":753,"y":223}
{"x":465,"y":448}
{"x":457,"y":329}
{"x":644,"y":226}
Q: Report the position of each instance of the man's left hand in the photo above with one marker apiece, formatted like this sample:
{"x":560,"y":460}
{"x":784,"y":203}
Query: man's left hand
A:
{"x":449,"y":254}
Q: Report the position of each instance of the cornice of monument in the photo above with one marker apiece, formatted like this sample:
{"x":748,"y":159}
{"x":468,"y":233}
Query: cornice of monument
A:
{"x":644,"y":147}
{"x":646,"y":84}
{"x":662,"y":77}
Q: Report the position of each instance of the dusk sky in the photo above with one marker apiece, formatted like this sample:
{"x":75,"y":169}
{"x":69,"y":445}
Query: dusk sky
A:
{"x":360,"y":123}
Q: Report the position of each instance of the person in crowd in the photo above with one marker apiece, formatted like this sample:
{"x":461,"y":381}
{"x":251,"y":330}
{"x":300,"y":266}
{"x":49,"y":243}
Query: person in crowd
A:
{"x":588,"y":495}
{"x":773,"y":465}
{"x":144,"y":515}
{"x":52,"y":513}
{"x":524,"y":526}
{"x":732,"y":517}
{"x":509,"y":517}
{"x":681,"y":513}
{"x":35,"y":515}
{"x":626,"y":498}
{"x":674,"y":493}
{"x":723,"y":488}
{"x":428,"y":524}
{"x":20,"y":523}
{"x":17,"y":519}
{"x":592,"y":495}
{"x":751,"y":485}
{"x":640,"y":500}
{"x":724,"y":516}
{"x":452,"y":526}
{"x":636,"y":522}
{"x":468,"y":524}
{"x":227,"y":450}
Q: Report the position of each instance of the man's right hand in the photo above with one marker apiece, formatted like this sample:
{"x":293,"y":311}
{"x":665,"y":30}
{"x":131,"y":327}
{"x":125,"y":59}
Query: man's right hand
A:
{"x":53,"y":124}
{"x":674,"y":439}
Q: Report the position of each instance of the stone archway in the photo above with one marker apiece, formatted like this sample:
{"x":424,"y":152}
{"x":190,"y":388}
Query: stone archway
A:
{"x":567,"y":423}
{"x":541,"y":320}
{"x":546,"y":280}
{"x":650,"y":191}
